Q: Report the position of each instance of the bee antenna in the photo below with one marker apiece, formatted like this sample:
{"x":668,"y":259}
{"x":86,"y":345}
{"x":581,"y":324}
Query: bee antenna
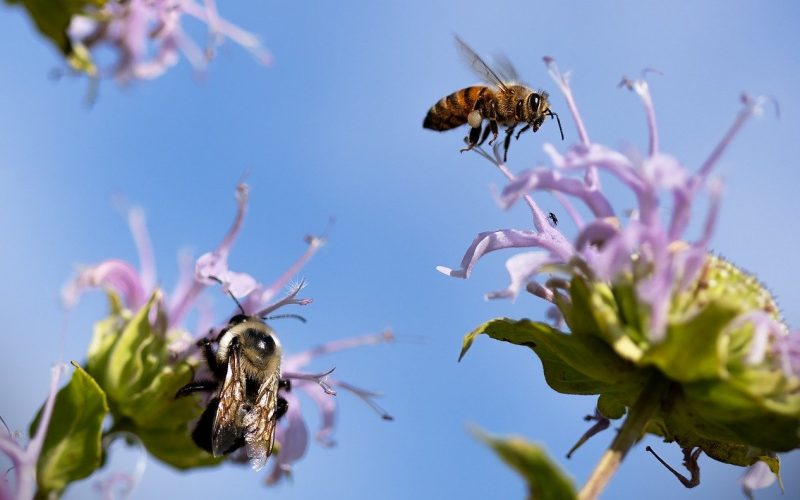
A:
{"x":283,"y":316}
{"x":559,"y":123}
{"x":229,"y":293}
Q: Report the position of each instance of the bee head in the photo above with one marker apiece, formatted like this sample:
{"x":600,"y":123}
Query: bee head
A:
{"x":237,"y":318}
{"x":259,"y":347}
{"x":538,"y":109}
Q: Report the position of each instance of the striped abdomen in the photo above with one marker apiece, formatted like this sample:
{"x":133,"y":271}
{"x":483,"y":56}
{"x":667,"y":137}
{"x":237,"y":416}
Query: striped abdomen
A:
{"x":452,"y":111}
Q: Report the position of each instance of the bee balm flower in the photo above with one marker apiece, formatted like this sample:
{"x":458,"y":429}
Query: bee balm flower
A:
{"x":690,"y":346}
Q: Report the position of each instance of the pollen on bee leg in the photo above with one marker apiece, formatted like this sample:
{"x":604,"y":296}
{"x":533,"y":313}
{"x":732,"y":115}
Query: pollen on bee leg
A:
{"x":474,"y":118}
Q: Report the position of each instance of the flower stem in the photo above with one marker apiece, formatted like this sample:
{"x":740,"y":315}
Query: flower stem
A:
{"x":638,"y":416}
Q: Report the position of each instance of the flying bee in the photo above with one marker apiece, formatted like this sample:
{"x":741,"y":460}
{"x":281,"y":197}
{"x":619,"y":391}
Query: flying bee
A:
{"x":246,"y":407}
{"x":506,"y":103}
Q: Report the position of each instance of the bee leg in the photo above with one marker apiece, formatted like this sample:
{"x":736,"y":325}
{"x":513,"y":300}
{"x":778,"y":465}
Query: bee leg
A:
{"x":211,"y":358}
{"x":493,"y":126}
{"x":281,"y":408}
{"x":526,"y":127}
{"x":285,"y":384}
{"x":507,"y":143}
{"x":485,"y":135}
{"x":199,"y":386}
{"x":472,"y":138}
{"x":203,"y":431}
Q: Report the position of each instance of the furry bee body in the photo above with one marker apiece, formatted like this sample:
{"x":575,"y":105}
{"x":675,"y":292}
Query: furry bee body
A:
{"x":506,"y":103}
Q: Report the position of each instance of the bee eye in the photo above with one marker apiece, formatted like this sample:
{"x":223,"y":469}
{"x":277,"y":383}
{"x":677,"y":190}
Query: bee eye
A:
{"x":265,"y":346}
{"x":534,"y":103}
{"x":239,"y":318}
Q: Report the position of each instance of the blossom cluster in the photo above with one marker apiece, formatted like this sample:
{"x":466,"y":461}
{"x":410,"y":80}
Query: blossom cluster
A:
{"x":148,"y":35}
{"x":145,"y":37}
{"x":142,"y":354}
{"x":661,"y":303}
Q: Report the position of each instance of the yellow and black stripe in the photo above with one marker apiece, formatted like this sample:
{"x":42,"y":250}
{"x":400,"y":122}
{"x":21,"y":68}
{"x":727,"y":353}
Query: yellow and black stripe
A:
{"x":451,"y":111}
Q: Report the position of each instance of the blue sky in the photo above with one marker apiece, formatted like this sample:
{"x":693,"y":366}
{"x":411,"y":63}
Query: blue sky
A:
{"x":334,"y":129}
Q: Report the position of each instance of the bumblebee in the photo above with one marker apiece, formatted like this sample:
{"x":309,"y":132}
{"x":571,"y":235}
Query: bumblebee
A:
{"x":506,"y":103}
{"x":246,"y":407}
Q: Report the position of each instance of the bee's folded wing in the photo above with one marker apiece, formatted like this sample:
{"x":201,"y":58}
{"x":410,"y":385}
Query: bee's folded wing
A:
{"x":260,"y":423}
{"x":227,"y":433}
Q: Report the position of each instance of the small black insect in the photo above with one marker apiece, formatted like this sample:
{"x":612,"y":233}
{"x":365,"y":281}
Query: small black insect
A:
{"x":553,"y":218}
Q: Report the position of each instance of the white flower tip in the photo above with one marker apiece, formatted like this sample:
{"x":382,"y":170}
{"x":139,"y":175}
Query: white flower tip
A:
{"x":69,"y":295}
{"x":501,"y":294}
{"x":450,"y":272}
{"x":638,"y":85}
{"x":242,"y":192}
{"x":755,"y":105}
{"x":324,"y":439}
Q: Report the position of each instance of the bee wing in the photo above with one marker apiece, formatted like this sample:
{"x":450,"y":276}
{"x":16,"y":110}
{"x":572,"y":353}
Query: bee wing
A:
{"x":479,"y":66}
{"x":226,"y":433}
{"x":505,"y":68}
{"x":260,"y":423}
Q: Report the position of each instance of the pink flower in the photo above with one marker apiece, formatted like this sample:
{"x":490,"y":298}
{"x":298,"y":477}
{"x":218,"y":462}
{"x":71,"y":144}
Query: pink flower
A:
{"x":24,"y":460}
{"x":148,"y":36}
{"x":135,"y":286}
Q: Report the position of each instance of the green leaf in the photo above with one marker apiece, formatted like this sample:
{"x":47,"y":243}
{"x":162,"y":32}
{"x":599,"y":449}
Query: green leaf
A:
{"x":176,"y":448}
{"x":611,"y":406}
{"x":545,"y":479}
{"x":694,"y":350}
{"x":573,"y":364}
{"x":501,"y":329}
{"x":52,"y":18}
{"x":72,"y":447}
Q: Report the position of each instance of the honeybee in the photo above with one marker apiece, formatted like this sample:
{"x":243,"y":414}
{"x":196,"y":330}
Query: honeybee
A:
{"x":246,"y":366}
{"x":506,"y":103}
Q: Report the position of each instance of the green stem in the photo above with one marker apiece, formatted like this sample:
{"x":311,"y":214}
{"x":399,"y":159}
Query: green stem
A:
{"x":638,"y":416}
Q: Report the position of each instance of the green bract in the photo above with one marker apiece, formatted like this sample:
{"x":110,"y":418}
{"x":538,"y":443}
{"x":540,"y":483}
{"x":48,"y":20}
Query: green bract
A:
{"x":72,"y":447}
{"x":130,"y":360}
{"x":129,"y":375}
{"x":734,"y":409}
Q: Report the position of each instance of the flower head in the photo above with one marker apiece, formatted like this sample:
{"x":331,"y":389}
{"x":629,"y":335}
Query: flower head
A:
{"x":134,"y":287}
{"x":148,"y":37}
{"x":141,"y":357}
{"x":657,"y":299}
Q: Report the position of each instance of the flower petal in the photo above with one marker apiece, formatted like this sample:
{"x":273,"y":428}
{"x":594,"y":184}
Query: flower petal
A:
{"x":521,"y":268}
{"x":115,"y":274}
{"x":491,"y":241}
{"x":327,"y":408}
{"x":757,"y":476}
{"x":292,"y":434}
